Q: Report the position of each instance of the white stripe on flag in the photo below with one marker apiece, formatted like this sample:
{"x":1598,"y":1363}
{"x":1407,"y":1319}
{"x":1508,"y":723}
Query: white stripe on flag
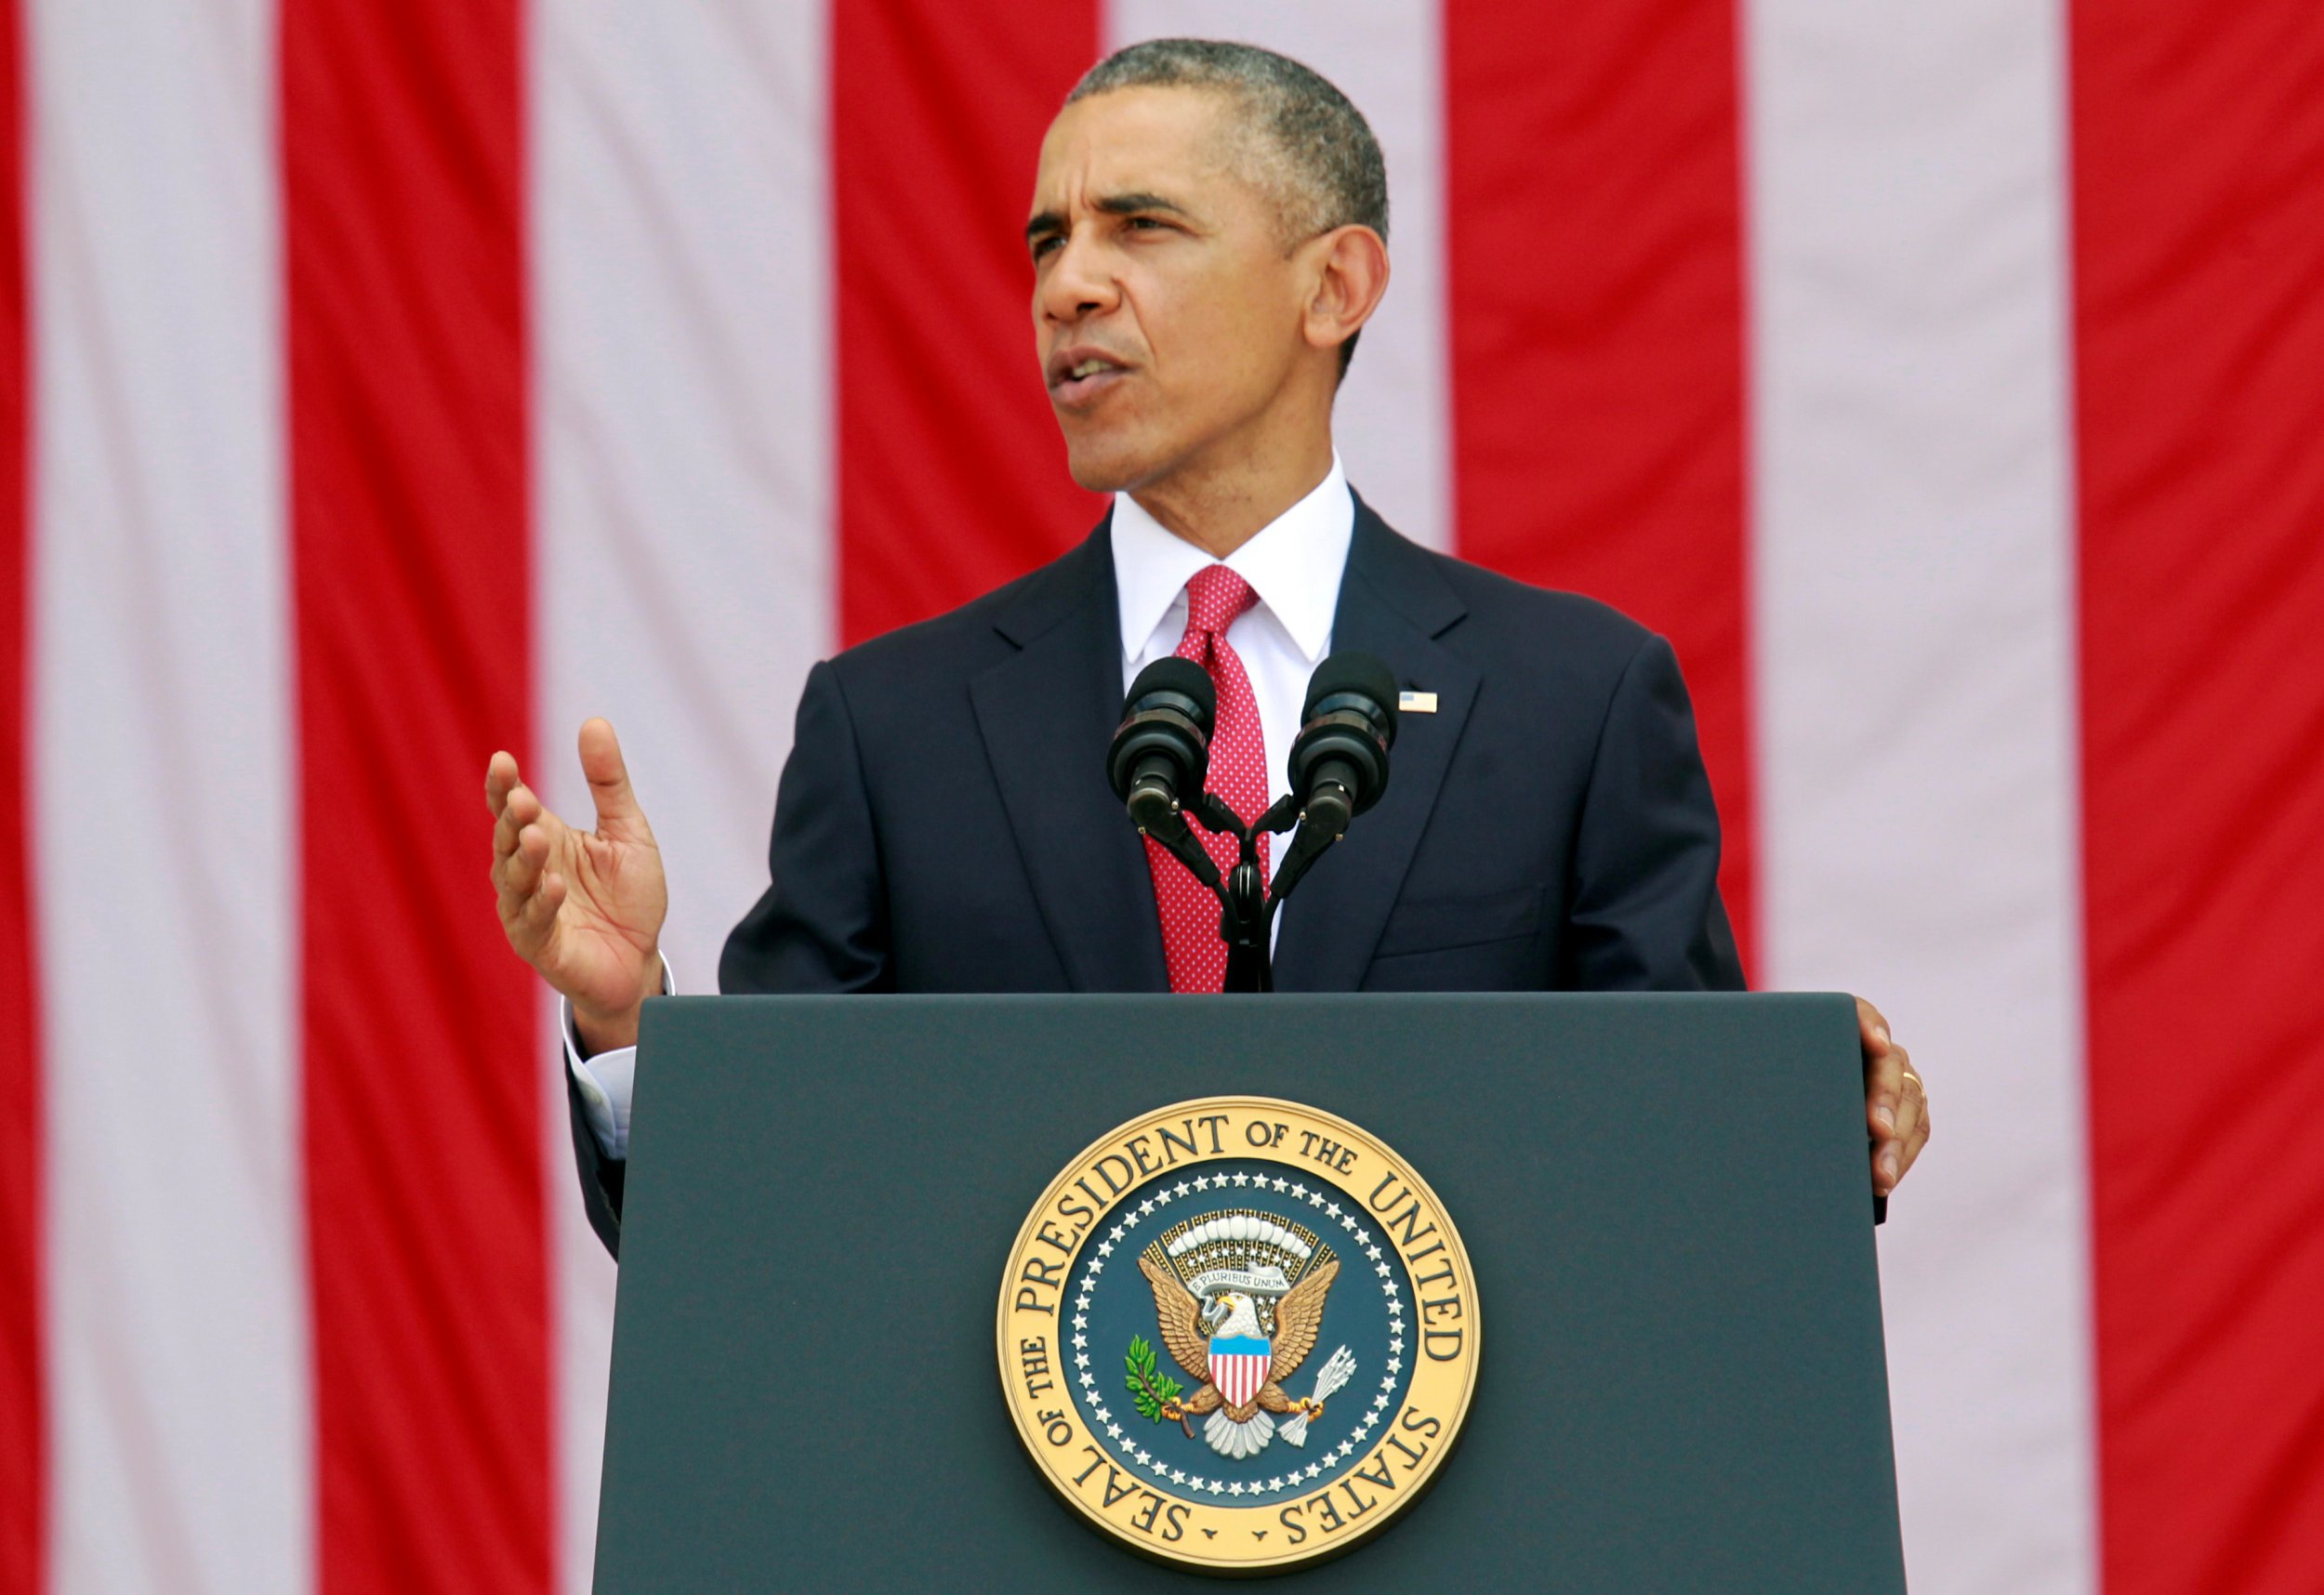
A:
{"x":1915,"y":632}
{"x":680,"y":237}
{"x":178,"y":1335}
{"x":1393,"y":418}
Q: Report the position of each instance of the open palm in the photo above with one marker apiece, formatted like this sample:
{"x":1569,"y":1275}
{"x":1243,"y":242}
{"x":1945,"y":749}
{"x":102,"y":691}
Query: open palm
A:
{"x":585,"y":908}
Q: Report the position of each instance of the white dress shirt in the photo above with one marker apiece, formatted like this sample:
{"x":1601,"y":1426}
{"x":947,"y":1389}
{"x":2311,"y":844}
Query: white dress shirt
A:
{"x":1294,"y":565}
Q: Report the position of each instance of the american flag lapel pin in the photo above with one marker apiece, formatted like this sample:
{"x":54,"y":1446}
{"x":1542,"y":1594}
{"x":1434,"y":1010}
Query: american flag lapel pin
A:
{"x":1416,"y":703}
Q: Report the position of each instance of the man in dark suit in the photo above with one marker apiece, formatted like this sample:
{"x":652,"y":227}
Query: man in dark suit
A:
{"x":1207,"y":241}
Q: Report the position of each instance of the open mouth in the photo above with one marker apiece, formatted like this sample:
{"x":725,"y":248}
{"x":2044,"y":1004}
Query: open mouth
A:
{"x":1079,"y":378}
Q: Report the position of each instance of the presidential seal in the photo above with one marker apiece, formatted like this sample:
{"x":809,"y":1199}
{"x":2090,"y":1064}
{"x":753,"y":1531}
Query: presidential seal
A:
{"x":1238,"y":1334}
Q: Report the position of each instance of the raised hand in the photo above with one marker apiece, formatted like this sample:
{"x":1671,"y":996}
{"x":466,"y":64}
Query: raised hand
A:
{"x":585,"y":908}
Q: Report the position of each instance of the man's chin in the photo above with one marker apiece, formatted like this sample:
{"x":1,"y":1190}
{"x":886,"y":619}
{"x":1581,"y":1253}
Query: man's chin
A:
{"x":1101,"y":468}
{"x":1121,"y":458}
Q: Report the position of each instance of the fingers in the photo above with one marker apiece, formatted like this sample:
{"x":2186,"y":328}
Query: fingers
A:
{"x":1895,"y":1100}
{"x":534,"y":915}
{"x":500,"y":776}
{"x":1883,"y":1095}
{"x":523,"y":844}
{"x":1872,"y":1026}
{"x":1912,"y":1125}
{"x":1888,"y":1150}
{"x":521,"y":871}
{"x":618,"y":816}
{"x":519,"y":808}
{"x":531,"y":891}
{"x":1883,"y":1072}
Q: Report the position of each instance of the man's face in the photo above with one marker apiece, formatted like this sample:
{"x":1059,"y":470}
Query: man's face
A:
{"x":1166,"y":312}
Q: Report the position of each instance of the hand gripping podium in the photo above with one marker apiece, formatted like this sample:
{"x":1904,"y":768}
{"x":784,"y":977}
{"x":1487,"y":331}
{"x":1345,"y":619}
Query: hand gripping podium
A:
{"x":1679,"y":1383}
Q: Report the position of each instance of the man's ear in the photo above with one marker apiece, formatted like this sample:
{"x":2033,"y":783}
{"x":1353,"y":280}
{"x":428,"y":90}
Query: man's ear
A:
{"x":1348,"y":273}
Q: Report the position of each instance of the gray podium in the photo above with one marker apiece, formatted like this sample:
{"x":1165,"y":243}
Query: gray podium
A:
{"x":1665,"y":1201}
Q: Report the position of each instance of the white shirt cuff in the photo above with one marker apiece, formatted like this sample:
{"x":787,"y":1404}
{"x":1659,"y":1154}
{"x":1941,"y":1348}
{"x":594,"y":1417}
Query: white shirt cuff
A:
{"x":605,"y":1081}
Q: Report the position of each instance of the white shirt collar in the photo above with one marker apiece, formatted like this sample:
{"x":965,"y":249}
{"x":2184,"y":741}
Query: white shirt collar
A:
{"x":1294,"y":565}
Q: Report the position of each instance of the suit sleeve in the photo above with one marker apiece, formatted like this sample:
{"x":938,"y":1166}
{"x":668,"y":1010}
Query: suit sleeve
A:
{"x":820,"y":926}
{"x":1645,"y":913}
{"x":601,"y":1175}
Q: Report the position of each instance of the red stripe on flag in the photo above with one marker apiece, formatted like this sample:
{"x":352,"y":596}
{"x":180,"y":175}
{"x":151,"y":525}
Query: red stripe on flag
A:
{"x":404,"y":207}
{"x":951,"y":472}
{"x":1594,"y":294}
{"x":24,"y":1421}
{"x":2199,"y":207}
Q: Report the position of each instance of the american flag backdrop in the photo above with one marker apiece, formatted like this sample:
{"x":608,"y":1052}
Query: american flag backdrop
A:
{"x":385,"y":381}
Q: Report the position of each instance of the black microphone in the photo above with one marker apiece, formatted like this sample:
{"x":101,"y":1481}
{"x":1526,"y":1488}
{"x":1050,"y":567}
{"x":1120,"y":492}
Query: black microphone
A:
{"x":1339,"y":761}
{"x":1162,"y":745}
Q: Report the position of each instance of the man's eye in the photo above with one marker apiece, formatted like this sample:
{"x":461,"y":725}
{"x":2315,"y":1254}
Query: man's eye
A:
{"x":1043,"y":245}
{"x":1146,"y":224}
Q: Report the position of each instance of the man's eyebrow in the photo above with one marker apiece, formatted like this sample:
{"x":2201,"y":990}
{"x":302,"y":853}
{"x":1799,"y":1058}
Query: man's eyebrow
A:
{"x":1131,"y":205}
{"x":1050,"y":222}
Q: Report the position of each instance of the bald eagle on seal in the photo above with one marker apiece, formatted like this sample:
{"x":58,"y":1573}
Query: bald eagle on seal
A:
{"x":1191,"y":1328}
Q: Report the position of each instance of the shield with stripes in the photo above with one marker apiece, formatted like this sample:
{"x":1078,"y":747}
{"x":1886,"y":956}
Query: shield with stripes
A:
{"x":1238,"y":1366}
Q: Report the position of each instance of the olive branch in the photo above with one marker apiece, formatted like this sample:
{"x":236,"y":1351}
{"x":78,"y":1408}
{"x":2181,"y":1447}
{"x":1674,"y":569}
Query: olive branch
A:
{"x":1149,"y":1388}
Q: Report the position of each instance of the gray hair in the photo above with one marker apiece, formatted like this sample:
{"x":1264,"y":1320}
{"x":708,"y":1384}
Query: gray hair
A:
{"x":1313,"y":150}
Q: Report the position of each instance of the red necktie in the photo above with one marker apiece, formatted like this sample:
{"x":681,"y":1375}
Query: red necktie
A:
{"x":1238,"y":773}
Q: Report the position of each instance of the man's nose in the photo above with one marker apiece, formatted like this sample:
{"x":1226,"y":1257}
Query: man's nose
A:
{"x":1078,"y":284}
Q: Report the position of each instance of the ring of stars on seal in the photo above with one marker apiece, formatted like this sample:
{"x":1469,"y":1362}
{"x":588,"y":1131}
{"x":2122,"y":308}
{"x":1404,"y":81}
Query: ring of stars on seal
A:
{"x":1238,"y":1334}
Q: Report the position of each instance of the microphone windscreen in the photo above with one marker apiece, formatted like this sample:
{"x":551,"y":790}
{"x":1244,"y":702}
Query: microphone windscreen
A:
{"x":1363,"y":675}
{"x":1183,"y":676}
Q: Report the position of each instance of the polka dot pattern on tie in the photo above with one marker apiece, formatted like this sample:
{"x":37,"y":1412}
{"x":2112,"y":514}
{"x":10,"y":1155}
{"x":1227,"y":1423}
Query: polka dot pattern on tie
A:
{"x":1238,"y":773}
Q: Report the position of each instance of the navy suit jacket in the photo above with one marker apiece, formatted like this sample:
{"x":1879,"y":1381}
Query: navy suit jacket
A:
{"x":945,"y":822}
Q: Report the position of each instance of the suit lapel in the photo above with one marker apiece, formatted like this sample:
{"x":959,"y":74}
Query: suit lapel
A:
{"x":1394,"y":603}
{"x":1045,"y":715}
